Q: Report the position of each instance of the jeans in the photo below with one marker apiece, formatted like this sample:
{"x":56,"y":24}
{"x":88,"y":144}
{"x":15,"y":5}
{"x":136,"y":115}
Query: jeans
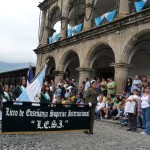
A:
{"x":119,"y":112}
{"x":146,"y":119}
{"x":139,"y":121}
{"x":97,"y":114}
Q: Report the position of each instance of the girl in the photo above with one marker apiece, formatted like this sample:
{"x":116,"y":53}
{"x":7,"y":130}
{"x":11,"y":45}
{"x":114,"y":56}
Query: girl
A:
{"x":20,"y":88}
{"x":45,"y":95}
{"x":7,"y":96}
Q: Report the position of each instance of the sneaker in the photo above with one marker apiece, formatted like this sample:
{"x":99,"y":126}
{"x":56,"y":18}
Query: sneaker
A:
{"x":143,"y":133}
{"x":101,"y":118}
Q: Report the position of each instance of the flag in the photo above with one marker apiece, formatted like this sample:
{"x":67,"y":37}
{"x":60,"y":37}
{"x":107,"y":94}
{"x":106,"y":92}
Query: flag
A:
{"x":33,"y":90}
{"x":30,"y":76}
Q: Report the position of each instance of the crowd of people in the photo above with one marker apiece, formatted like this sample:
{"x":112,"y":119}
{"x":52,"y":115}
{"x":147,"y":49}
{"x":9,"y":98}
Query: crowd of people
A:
{"x":131,"y":107}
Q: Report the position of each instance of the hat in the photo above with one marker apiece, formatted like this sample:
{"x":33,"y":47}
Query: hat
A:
{"x":93,"y":81}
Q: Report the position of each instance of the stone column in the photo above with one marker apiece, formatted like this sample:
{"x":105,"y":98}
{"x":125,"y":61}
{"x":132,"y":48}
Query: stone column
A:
{"x":64,"y":27}
{"x":123,"y":8}
{"x":83,"y":74}
{"x":58,"y":75}
{"x":42,"y":27}
{"x":121,"y":75}
{"x":45,"y":31}
{"x":89,"y":6}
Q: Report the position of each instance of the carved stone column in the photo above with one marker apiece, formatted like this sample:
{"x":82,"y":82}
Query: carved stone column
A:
{"x":121,"y":75}
{"x":64,"y":27}
{"x":42,"y":27}
{"x":45,"y":31}
{"x":83,"y":74}
{"x":123,"y":8}
{"x":89,"y":6}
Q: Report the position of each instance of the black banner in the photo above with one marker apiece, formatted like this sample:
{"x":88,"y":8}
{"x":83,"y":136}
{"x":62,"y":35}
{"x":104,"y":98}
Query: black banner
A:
{"x":44,"y":117}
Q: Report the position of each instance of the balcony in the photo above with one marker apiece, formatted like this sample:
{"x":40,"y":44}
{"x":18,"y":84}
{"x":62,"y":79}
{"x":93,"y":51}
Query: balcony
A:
{"x":118,"y":24}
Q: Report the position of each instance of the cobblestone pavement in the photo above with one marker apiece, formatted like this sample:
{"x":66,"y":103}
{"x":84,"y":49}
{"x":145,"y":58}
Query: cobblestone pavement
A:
{"x":107,"y":136}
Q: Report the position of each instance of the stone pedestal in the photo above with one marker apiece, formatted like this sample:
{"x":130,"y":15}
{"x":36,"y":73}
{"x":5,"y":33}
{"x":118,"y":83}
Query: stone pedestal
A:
{"x":121,"y":75}
{"x":64,"y":27}
{"x":58,"y":75}
{"x":88,"y":15}
{"x":123,"y":8}
{"x":83,"y":74}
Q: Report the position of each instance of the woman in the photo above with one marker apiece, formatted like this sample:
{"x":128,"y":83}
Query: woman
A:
{"x":20,"y":88}
{"x":104,"y":87}
{"x":128,"y":86}
{"x":1,"y":92}
{"x":45,"y":95}
{"x":144,"y":104}
{"x":7,"y":95}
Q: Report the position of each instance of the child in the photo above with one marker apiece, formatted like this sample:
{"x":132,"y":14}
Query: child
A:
{"x":131,"y":110}
{"x":109,"y":106}
{"x":100,"y":109}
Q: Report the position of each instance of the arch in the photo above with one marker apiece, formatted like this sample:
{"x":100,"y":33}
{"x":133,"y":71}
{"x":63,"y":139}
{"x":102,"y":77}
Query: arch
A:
{"x":74,"y":16}
{"x":69,"y":62}
{"x":50,"y":67}
{"x":137,"y":52}
{"x":94,"y":50}
{"x":53,"y":15}
{"x":131,"y":44}
{"x":136,"y":49}
{"x":65,"y":57}
{"x":99,"y":58}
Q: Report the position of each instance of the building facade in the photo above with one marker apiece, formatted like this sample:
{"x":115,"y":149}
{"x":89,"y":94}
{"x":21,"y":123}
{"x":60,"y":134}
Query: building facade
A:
{"x":119,"y":48}
{"x":13,"y":77}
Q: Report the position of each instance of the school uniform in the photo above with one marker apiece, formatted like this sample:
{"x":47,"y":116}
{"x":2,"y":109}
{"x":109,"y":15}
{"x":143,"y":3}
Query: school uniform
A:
{"x":18,"y":91}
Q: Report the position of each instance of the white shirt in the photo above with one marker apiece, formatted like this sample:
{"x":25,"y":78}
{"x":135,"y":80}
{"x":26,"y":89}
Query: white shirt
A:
{"x":87,"y":85}
{"x":100,"y":105}
{"x":136,"y":97}
{"x":69,"y":88}
{"x":144,"y":102}
{"x":129,"y":107}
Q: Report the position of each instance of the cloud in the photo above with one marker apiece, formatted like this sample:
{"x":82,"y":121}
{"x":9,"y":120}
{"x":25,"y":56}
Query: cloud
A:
{"x":18,"y":30}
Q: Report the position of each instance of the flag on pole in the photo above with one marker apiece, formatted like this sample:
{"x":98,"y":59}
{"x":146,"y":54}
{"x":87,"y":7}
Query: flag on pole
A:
{"x":30,"y":75}
{"x":33,"y":90}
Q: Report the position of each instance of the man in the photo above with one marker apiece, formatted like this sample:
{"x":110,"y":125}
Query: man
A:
{"x":111,"y":87}
{"x":136,"y":84}
{"x":91,"y":99}
{"x":87,"y":84}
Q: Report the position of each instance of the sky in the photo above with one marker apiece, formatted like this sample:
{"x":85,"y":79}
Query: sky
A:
{"x":19,"y":22}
